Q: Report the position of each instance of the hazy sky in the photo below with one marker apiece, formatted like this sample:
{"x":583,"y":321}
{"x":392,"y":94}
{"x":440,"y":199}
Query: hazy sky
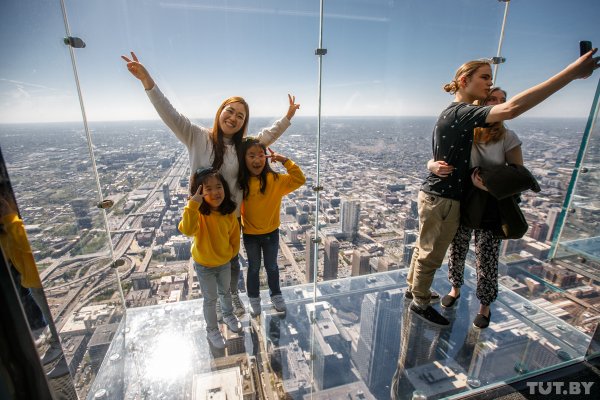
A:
{"x":384,"y":57}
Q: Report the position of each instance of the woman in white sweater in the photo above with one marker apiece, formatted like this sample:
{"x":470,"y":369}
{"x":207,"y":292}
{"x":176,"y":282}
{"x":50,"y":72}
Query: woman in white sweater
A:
{"x":215,"y":147}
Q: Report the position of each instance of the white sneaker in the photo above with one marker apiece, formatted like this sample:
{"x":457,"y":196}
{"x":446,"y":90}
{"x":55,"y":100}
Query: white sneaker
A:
{"x":232,"y":323}
{"x":215,"y":338}
{"x":39,"y":336}
{"x":238,"y":306}
{"x":278,"y":303}
{"x":255,"y":306}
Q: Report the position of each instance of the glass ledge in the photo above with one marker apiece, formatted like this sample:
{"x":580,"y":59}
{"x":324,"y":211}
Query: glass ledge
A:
{"x":364,"y":341}
{"x":587,"y":247}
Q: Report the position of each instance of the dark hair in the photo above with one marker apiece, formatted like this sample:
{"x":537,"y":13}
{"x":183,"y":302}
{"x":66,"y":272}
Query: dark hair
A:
{"x":217,"y":132}
{"x":244,"y":174}
{"x":199,"y":178}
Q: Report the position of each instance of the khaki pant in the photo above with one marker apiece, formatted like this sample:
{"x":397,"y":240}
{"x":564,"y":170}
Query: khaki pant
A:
{"x":438,"y":221}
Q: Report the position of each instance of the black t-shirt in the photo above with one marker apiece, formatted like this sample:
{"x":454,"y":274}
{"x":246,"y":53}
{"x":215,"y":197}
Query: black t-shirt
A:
{"x":451,"y":142}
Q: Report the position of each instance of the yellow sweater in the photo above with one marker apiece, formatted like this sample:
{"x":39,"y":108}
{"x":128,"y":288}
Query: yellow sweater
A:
{"x":216,"y":236}
{"x":260,"y":211}
{"x":16,"y":248}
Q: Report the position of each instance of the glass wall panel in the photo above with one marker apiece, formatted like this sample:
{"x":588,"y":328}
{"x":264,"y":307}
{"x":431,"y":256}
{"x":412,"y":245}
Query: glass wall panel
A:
{"x":198,"y":53}
{"x":47,"y":157}
{"x":576,"y":244}
{"x":383,"y":73}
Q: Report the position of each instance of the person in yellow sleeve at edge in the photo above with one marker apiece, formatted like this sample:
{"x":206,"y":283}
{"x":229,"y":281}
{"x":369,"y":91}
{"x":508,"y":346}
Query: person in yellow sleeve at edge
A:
{"x":16,"y":249}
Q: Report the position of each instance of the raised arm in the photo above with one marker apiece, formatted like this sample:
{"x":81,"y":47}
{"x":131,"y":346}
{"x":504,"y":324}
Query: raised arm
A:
{"x":191,"y":213}
{"x":526,"y":100}
{"x":139,"y":71}
{"x":268,"y":136}
{"x":294,"y":177}
{"x":179,"y":124}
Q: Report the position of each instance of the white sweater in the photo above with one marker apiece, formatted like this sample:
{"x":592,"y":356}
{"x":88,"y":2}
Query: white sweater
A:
{"x":198,"y":141}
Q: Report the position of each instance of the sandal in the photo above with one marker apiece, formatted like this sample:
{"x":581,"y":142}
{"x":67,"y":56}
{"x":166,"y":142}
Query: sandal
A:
{"x":481,"y":321}
{"x":448,"y":301}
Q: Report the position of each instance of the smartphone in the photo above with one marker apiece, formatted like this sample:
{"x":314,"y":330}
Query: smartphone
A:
{"x":584,"y":47}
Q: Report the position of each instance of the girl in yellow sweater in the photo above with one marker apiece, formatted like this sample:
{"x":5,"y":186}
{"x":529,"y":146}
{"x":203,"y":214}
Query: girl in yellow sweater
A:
{"x":210,"y":218}
{"x":263,"y":190}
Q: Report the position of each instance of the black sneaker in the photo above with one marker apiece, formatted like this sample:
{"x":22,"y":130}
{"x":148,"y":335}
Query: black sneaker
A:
{"x":430,"y":315}
{"x":435,"y":296}
{"x":449,"y":301}
{"x":481,"y":321}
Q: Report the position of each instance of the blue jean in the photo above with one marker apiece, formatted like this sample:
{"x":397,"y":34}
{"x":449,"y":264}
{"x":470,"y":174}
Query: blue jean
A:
{"x":213,"y":281}
{"x":266,"y":247}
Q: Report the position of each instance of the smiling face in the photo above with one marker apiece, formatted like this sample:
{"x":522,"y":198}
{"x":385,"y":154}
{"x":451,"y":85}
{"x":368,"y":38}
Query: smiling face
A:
{"x":232,"y":118}
{"x":255,"y":159}
{"x":212,"y":188}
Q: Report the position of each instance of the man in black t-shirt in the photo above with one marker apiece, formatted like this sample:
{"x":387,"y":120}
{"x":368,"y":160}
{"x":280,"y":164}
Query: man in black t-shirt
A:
{"x":439,"y":206}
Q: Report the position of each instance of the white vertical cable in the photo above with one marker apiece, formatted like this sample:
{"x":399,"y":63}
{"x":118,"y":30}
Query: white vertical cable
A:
{"x":499,"y":53}
{"x":317,"y":189}
{"x":318,"y":180}
{"x":90,"y":148}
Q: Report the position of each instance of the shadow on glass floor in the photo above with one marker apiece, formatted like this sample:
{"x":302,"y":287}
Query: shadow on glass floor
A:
{"x":357,"y":341}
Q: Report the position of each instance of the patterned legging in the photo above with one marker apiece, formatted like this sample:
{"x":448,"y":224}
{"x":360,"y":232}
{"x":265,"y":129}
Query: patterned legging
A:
{"x":487,"y":249}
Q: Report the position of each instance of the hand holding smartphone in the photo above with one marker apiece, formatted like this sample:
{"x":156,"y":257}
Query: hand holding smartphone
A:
{"x":584,"y":47}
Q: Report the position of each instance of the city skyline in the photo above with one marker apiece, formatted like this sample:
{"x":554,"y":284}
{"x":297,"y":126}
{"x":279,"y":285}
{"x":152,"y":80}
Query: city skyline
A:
{"x":145,"y":171}
{"x":384,"y":58}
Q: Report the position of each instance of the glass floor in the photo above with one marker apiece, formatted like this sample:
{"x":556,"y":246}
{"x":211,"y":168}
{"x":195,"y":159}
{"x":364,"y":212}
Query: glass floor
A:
{"x":587,"y":247}
{"x":358,"y":340}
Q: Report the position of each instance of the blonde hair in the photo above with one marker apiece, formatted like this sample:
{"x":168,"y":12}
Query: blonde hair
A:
{"x":495,"y":131}
{"x":466,"y":70}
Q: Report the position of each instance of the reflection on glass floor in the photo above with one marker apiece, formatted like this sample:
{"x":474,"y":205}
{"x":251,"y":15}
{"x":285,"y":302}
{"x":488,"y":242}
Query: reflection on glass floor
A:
{"x":365,"y":344}
{"x":588,"y":247}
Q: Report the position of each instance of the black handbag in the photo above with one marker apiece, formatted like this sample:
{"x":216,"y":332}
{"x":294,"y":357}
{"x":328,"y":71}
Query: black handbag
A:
{"x":512,"y":221}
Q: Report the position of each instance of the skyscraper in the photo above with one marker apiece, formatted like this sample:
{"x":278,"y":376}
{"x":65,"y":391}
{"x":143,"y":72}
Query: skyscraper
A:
{"x":379,"y":343}
{"x":166,"y":194}
{"x":332,"y":352}
{"x":350,"y":213}
{"x":360,"y":263}
{"x":539,"y":231}
{"x":331,"y":258}
{"x":551,"y":221}
{"x":407,"y":255}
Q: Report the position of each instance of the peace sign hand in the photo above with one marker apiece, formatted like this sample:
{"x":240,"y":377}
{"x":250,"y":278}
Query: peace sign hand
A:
{"x":138,"y":70}
{"x":198,"y":197}
{"x":276,"y":157}
{"x":292,"y":108}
